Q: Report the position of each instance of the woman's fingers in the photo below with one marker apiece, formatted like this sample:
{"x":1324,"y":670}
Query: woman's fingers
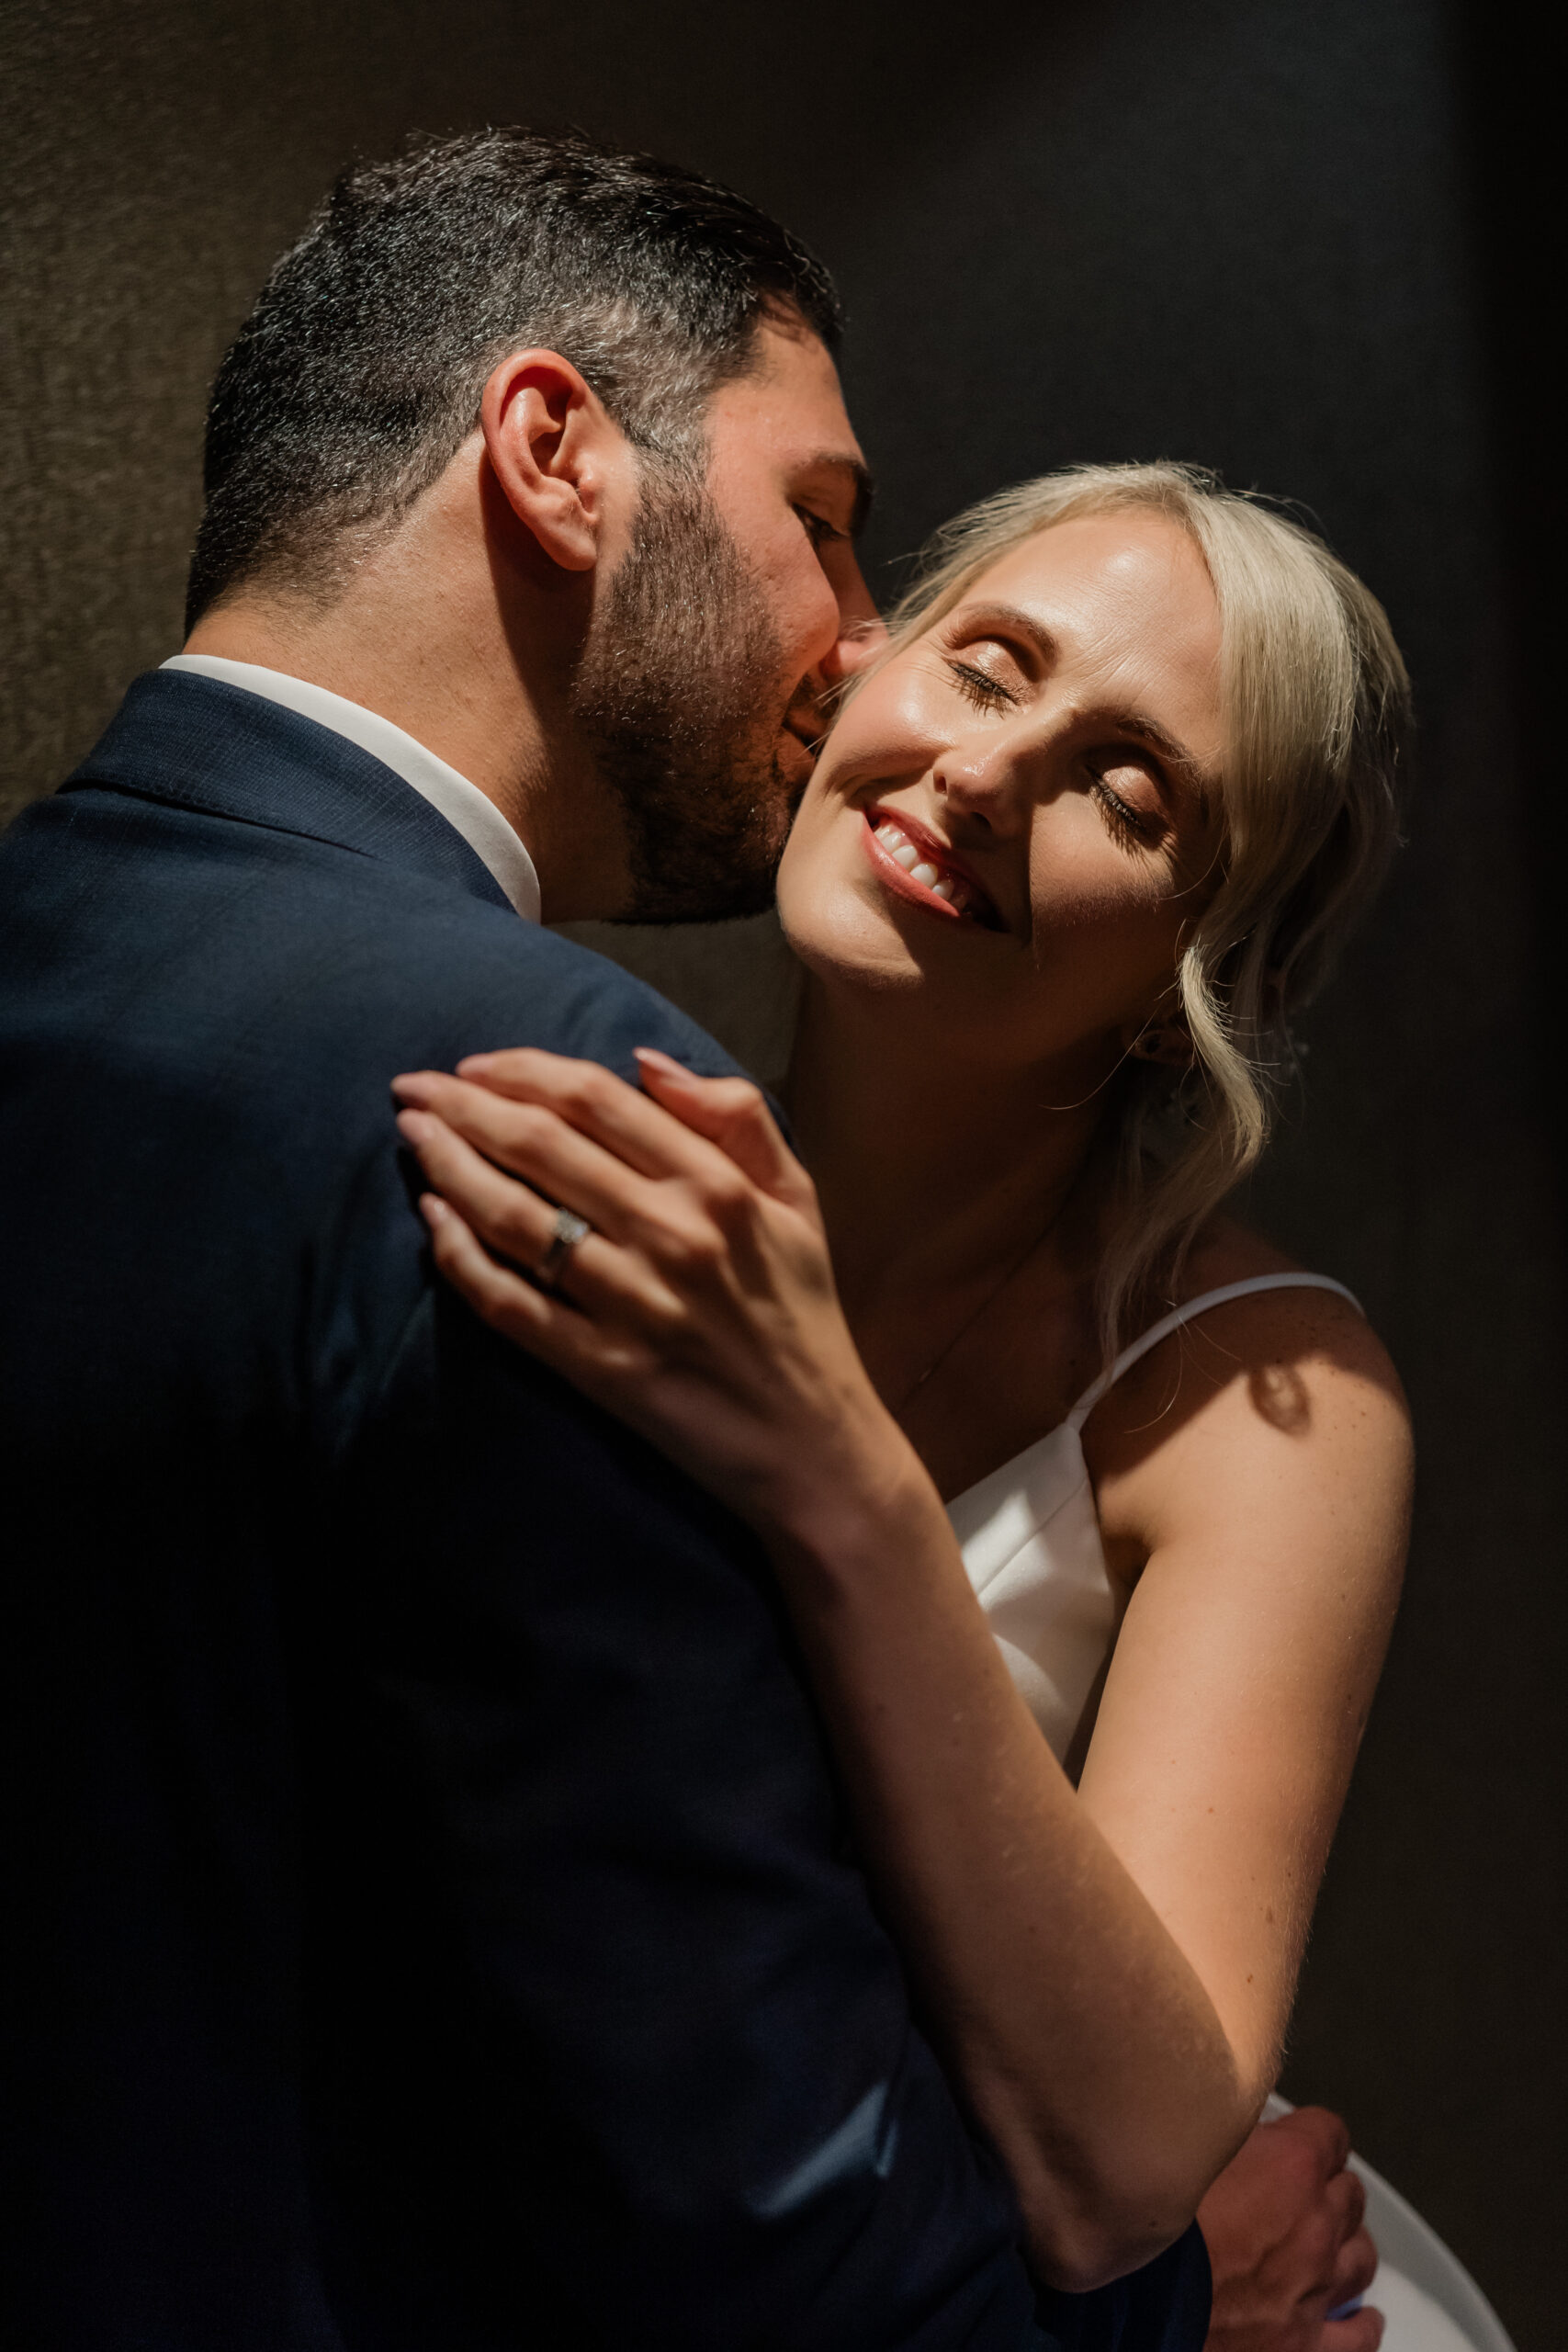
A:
{"x":677,"y":1126}
{"x":510,"y":1218}
{"x":531,"y":1141}
{"x":504,"y":1299}
{"x":568,"y":1129}
{"x":547,"y":1328}
{"x":514,"y":1222}
{"x":593,"y":1100}
{"x":732,"y":1113}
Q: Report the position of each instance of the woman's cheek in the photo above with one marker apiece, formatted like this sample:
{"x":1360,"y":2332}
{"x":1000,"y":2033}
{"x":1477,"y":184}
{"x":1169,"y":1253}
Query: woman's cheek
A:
{"x":817,"y":854}
{"x":895,"y":726}
{"x":1083,"y":887}
{"x":919,"y":714}
{"x":797,"y":859}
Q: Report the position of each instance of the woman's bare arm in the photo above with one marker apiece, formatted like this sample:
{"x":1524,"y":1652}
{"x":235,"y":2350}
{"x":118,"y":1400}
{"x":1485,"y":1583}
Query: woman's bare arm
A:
{"x":1262,"y":1461}
{"x":1110,"y":1972}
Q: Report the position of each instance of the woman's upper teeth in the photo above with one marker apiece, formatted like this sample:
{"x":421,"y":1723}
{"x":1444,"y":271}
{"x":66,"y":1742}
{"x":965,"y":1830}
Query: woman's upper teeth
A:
{"x":904,"y":853}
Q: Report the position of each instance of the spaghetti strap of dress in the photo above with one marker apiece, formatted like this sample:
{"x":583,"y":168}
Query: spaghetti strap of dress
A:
{"x":1179,"y":1316}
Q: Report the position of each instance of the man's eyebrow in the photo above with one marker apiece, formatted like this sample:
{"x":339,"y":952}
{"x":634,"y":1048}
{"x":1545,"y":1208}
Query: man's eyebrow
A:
{"x":856,"y":474}
{"x":1131,"y":722}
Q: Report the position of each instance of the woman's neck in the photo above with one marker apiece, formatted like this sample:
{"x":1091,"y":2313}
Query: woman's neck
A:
{"x":937,"y":1172}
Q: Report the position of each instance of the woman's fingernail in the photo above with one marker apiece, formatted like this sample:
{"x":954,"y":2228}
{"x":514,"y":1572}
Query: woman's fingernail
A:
{"x":415,"y":1126}
{"x":664,"y":1064}
{"x":434,"y":1209}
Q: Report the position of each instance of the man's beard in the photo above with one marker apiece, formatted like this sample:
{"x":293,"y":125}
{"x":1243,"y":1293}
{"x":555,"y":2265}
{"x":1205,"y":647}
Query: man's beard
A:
{"x":680,"y":698}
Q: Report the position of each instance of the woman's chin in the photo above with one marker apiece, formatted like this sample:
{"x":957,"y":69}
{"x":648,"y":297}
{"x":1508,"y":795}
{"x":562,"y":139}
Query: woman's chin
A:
{"x":846,"y":941}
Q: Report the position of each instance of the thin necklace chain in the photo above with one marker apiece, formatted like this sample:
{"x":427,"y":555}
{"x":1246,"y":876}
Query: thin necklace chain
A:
{"x":975,"y":1314}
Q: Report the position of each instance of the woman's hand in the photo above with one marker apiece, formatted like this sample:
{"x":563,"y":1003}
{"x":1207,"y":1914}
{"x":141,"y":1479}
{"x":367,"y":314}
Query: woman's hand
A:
{"x":701,"y":1307}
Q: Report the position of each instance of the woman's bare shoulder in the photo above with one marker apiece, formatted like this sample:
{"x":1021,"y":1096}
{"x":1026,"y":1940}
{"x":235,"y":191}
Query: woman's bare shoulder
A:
{"x":1297,"y":1361}
{"x":1272,"y":1326}
{"x":1228,"y":1252}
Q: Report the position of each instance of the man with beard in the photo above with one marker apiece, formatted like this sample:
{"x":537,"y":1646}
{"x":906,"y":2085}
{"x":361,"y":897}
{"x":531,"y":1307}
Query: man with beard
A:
{"x":436,"y":1924}
{"x":677,"y":694}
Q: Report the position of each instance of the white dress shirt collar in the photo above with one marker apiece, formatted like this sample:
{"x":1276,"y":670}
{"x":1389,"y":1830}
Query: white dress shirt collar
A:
{"x":463,"y":805}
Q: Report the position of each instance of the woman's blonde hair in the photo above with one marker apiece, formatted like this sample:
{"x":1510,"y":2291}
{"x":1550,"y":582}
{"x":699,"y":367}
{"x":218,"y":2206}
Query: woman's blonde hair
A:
{"x":1316,"y":704}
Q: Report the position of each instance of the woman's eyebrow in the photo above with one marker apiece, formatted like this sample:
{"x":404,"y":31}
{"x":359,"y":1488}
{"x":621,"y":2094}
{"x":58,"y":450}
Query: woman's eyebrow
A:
{"x":1158,"y":738}
{"x":1013,"y":616}
{"x":1174,"y":756}
{"x":1048,"y":646}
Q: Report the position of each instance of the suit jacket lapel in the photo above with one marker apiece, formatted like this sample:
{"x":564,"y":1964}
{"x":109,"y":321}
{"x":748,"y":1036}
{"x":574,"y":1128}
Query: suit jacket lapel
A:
{"x":200,"y":743}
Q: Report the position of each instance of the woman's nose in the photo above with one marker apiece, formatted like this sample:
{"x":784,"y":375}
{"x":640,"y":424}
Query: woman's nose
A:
{"x":983,"y":781}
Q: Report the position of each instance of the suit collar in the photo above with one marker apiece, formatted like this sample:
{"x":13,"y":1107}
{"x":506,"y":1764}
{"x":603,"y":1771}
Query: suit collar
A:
{"x":196,"y":743}
{"x":462,"y":803}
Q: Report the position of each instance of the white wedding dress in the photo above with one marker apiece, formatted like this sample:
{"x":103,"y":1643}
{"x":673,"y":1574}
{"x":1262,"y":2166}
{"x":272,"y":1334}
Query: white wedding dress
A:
{"x":1031,"y":1544}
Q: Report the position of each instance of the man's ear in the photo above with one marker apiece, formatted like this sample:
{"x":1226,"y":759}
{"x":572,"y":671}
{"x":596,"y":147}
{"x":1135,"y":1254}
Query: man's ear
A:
{"x":554,"y":451}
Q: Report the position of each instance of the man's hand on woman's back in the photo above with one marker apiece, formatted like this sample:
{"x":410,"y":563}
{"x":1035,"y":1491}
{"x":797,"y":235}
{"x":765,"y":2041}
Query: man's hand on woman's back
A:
{"x":1283,"y":2225}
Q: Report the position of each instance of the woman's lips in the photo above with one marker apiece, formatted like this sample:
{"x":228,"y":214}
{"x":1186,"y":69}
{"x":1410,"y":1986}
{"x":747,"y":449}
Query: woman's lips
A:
{"x":914,"y":865}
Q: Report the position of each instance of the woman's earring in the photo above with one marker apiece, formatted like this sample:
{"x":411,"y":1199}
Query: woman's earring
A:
{"x":1168,"y":1043}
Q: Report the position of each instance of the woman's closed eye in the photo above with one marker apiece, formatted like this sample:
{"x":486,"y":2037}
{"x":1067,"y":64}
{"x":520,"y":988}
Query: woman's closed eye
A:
{"x":979,"y":686}
{"x":1134,"y":823}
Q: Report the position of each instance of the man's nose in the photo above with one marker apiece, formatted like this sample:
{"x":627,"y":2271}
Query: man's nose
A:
{"x":863,"y":632}
{"x":856,"y":649}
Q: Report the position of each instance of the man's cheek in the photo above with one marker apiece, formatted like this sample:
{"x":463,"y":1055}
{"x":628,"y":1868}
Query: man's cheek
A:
{"x":804,"y":608}
{"x":796,"y":766}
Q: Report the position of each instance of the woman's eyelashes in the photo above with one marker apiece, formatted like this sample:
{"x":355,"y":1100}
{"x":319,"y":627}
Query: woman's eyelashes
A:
{"x":980,"y":688}
{"x":1132,"y":823}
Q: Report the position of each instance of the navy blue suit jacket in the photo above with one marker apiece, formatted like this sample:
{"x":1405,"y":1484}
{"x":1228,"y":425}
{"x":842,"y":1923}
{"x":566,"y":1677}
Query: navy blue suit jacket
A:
{"x":432,"y":1926}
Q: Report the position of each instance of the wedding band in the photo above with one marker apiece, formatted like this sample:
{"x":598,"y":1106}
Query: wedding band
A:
{"x":569,"y":1230}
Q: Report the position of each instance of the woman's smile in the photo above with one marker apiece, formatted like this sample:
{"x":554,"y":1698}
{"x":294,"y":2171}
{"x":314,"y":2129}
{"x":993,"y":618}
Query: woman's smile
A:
{"x":909,"y":859}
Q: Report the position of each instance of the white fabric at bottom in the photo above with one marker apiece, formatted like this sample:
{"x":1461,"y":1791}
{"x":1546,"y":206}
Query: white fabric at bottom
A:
{"x":1426,"y":2296}
{"x":1412,"y":2321}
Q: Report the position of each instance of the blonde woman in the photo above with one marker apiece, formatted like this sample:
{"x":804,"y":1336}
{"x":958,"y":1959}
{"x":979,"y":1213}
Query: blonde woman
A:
{"x":1040,"y":1442}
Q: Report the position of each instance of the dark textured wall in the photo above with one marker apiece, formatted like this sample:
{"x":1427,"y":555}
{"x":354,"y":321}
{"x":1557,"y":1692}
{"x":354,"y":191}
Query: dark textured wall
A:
{"x":1230,"y":229}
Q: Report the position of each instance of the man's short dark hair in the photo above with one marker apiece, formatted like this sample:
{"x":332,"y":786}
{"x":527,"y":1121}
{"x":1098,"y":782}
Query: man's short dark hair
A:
{"x":359,"y":372}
